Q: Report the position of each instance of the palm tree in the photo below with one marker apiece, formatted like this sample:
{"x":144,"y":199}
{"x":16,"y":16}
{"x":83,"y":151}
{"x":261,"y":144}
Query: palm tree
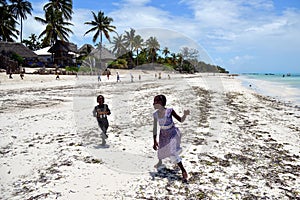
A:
{"x":129,"y":39}
{"x":166,"y":52}
{"x":65,"y":6}
{"x":138,"y":44}
{"x":20,"y":8}
{"x":55,"y":27}
{"x":8,"y":23}
{"x":152,"y":45}
{"x":32,"y":42}
{"x":102,"y":25}
{"x":129,"y":43}
{"x":119,"y":47}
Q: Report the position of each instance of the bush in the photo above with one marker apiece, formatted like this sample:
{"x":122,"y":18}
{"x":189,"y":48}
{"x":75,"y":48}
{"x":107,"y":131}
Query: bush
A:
{"x":72,"y":69}
{"x":17,"y":58}
{"x":119,"y":64}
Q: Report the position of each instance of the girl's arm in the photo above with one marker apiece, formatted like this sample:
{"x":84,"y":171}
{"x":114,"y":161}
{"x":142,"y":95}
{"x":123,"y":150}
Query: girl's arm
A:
{"x":155,"y":144}
{"x":180,"y":119}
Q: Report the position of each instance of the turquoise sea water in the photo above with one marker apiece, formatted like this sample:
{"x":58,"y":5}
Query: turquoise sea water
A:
{"x":285,"y":87}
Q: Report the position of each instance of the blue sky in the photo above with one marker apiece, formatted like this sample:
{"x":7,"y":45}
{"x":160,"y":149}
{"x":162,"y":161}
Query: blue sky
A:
{"x":239,"y":35}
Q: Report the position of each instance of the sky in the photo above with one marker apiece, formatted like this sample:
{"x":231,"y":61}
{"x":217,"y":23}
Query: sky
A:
{"x":241,"y":36}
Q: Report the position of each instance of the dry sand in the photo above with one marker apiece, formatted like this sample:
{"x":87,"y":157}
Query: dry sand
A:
{"x":237,"y":144}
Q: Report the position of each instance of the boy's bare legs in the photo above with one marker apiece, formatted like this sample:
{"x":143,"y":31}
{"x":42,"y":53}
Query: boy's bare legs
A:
{"x":103,"y":136}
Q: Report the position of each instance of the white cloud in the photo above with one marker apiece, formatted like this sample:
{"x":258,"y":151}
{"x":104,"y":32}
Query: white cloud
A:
{"x":240,"y":59}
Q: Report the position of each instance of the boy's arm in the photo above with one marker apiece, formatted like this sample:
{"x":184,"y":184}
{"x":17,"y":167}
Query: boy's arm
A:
{"x":107,"y":110}
{"x":95,"y":112}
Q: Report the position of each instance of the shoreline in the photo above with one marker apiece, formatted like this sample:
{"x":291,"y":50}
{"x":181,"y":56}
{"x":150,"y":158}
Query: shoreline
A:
{"x":280,"y":91}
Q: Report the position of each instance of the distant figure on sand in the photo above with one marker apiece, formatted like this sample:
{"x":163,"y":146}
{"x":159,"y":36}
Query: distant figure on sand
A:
{"x":99,"y":77}
{"x":131,"y":76}
{"x":57,"y":76}
{"x":159,"y":75}
{"x":140,"y":77}
{"x":107,"y":73}
{"x":22,"y":75}
{"x":169,"y":135}
{"x":100,"y":112}
{"x":10,"y":75}
{"x":118,"y":77}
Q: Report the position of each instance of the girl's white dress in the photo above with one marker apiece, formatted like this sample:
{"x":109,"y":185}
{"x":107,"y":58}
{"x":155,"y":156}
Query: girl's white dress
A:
{"x":169,"y":137}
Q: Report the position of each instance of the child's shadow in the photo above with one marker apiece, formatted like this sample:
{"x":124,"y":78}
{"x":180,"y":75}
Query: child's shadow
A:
{"x":101,"y":146}
{"x":164,"y":172}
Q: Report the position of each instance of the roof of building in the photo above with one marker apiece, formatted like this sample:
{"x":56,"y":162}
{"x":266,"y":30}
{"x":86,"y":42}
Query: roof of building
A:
{"x":63,"y":46}
{"x":105,"y":54}
{"x":43,"y":52}
{"x":18,"y":48}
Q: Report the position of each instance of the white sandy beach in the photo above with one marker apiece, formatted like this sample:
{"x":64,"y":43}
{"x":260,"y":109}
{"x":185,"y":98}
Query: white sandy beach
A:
{"x":236,"y":143}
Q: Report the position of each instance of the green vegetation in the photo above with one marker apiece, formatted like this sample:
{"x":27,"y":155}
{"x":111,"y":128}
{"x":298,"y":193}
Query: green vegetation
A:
{"x":18,"y":58}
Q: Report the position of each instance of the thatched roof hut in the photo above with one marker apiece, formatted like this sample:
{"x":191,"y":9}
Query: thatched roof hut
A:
{"x":93,"y":59}
{"x":85,"y":49}
{"x":7,"y":48}
{"x":106,"y":55}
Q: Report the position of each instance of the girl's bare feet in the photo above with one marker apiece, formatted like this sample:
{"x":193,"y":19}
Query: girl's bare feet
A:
{"x":158,"y":164}
{"x":184,"y":176}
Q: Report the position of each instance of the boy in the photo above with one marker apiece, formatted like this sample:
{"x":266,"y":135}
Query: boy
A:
{"x":100,"y":112}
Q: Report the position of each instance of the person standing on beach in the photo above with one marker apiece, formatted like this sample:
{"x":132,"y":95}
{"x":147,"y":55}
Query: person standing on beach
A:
{"x":99,"y":77}
{"x":118,"y":77}
{"x":100,"y":112}
{"x":169,"y":135}
{"x":131,"y":76}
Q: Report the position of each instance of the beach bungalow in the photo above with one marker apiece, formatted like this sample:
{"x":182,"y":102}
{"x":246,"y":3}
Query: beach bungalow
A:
{"x":64,"y":53}
{"x":106,"y":56}
{"x":8,"y":50}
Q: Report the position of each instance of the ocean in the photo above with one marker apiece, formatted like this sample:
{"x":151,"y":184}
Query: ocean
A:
{"x":285,"y":87}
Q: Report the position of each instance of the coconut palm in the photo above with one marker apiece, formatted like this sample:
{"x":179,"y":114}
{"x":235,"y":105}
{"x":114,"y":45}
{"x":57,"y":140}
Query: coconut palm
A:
{"x":138,"y":44}
{"x":8,"y":23}
{"x":153,"y":46}
{"x":166,"y":52}
{"x":119,"y":47}
{"x":20,"y":9}
{"x":56,"y":27}
{"x":129,"y":39}
{"x":32,"y":42}
{"x":102,"y":25}
{"x":65,"y":6}
{"x":129,"y":43}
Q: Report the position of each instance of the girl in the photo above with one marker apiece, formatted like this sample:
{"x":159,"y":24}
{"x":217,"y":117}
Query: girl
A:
{"x":169,"y":136}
